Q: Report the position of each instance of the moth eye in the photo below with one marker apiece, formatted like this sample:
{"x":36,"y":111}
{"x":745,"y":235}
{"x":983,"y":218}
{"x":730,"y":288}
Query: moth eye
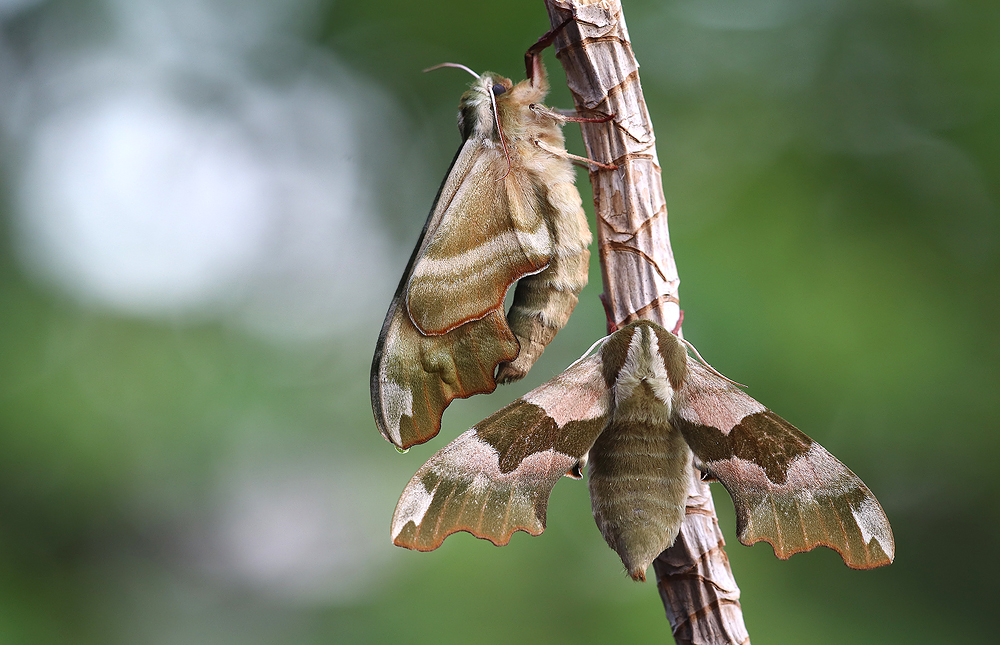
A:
{"x":499,"y":89}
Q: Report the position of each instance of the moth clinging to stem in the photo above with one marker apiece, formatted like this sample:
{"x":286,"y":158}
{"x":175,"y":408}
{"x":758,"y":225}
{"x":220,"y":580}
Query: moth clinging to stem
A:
{"x":508,"y":211}
{"x":635,"y":412}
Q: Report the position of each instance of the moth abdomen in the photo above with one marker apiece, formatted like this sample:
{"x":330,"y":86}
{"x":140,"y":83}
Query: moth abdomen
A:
{"x":542,"y":305}
{"x":638,"y":483}
{"x":544,"y":301}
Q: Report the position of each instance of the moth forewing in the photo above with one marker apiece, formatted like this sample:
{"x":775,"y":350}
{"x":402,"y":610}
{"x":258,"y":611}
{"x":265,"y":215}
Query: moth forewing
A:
{"x":490,"y":235}
{"x":507,"y":211}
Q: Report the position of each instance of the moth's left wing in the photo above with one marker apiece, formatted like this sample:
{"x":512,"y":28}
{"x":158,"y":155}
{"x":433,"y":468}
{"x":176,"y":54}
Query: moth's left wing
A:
{"x":496,"y":478}
{"x":786,"y":488}
{"x":489,"y":235}
{"x":415,"y":375}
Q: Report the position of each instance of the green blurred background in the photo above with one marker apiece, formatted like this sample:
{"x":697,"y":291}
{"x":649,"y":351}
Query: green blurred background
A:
{"x":206,"y":206}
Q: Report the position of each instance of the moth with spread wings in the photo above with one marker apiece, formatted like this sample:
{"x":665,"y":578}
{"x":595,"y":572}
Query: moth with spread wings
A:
{"x":634,"y":412}
{"x":508,"y":211}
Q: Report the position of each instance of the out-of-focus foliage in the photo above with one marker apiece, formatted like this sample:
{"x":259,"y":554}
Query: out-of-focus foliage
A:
{"x":205,"y":209}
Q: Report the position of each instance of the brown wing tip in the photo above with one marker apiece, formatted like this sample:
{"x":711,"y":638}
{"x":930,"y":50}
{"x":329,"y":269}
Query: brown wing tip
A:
{"x":409,"y":435}
{"x":407,"y":540}
{"x":876,"y":555}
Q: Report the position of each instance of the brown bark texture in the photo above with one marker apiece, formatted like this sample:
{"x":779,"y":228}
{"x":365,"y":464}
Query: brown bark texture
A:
{"x":696,"y":584}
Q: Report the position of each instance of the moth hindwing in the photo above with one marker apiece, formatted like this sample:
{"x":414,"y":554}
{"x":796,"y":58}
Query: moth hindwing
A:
{"x":508,"y":211}
{"x":636,"y":412}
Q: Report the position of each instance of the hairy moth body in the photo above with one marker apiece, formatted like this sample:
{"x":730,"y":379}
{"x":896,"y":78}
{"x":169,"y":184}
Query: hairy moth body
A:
{"x":508,"y":211}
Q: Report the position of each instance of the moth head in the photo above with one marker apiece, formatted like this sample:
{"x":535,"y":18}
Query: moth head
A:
{"x":477,"y":116}
{"x":475,"y":109}
{"x":493,"y":105}
{"x":643,"y":358}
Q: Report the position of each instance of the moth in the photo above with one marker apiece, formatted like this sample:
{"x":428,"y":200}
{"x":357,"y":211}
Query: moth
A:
{"x":508,"y":211}
{"x":635,"y":412}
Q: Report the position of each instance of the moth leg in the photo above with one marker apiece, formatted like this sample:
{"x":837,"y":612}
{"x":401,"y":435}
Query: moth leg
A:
{"x":704,"y":474}
{"x":559,"y":152}
{"x":576,"y":472}
{"x":532,"y":57}
{"x":582,"y":119}
{"x":562,"y":116}
{"x":612,"y":326}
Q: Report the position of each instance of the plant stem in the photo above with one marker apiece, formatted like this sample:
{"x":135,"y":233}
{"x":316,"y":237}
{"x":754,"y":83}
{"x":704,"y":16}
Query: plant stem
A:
{"x":696,"y":584}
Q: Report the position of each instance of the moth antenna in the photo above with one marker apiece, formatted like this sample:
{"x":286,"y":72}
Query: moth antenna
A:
{"x":586,"y":354}
{"x":706,"y":364}
{"x":676,"y":331}
{"x":496,"y":114}
{"x":455,"y":65}
{"x":503,"y":142}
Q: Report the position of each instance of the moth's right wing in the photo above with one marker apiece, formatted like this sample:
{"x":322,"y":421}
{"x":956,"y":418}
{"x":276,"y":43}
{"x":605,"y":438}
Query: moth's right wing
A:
{"x":786,"y":488}
{"x":496,"y":478}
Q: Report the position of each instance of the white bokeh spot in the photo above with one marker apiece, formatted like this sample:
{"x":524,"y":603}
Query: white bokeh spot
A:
{"x":142,"y":205}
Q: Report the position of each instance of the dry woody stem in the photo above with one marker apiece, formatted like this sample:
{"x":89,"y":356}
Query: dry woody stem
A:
{"x":696,"y":584}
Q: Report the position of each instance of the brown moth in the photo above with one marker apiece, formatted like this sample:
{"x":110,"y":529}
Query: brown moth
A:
{"x":634,"y":412}
{"x":508,"y":211}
